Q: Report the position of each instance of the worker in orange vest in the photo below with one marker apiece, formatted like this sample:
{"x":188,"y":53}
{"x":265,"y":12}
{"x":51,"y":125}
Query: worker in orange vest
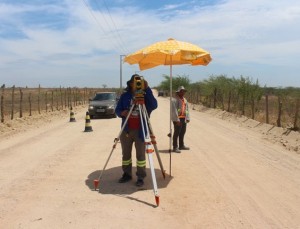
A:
{"x":180,"y":118}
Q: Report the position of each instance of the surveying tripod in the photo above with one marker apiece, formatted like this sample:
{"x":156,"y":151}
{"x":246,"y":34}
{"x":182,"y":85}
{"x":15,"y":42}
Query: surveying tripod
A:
{"x":149,"y":140}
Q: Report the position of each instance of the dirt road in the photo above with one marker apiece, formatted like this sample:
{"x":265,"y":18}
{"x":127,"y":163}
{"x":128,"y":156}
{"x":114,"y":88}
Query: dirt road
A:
{"x":231,"y":178}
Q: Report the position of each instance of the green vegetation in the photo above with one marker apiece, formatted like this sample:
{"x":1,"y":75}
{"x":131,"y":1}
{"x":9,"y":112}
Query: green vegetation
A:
{"x":242,"y":96}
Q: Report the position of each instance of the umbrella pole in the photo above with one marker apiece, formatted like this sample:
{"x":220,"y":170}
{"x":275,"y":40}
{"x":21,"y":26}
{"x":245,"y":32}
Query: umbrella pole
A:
{"x":171,"y":134}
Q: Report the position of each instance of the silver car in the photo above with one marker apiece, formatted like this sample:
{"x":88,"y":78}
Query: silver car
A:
{"x":103,"y":105}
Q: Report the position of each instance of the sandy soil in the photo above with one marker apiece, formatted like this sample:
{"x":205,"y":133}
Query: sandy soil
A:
{"x":238,"y":174}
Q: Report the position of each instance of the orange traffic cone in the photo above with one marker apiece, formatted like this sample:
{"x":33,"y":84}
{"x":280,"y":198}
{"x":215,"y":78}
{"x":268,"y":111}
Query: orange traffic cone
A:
{"x":72,"y":117}
{"x":88,"y":127}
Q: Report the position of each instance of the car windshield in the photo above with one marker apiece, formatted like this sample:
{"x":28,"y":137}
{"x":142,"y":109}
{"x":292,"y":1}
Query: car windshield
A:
{"x":104,"y":96}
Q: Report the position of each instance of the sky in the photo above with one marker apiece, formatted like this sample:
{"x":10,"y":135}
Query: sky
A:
{"x":81,"y":43}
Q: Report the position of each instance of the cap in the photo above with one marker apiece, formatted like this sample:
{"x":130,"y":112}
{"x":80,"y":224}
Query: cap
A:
{"x":181,"y":88}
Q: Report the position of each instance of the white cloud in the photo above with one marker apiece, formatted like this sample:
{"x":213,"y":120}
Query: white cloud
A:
{"x":238,"y":34}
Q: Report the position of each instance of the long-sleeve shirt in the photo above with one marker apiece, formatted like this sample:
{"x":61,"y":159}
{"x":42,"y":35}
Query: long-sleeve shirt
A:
{"x":180,"y":109}
{"x":126,"y":101}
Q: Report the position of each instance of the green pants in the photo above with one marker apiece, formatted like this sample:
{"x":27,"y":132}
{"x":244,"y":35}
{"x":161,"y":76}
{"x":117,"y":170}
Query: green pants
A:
{"x":127,"y":139}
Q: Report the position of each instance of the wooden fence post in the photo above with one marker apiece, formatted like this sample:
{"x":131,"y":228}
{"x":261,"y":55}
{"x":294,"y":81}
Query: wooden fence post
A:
{"x":267,"y":109}
{"x":56,"y":98}
{"x":52,"y":100}
{"x":215,"y":98}
{"x":30,"y":105}
{"x":68,"y":94}
{"x":279,"y":112}
{"x":74,"y":97}
{"x":296,"y":127}
{"x":66,"y":98}
{"x":12,"y":102}
{"x":61,"y":98}
{"x":83,"y":95}
{"x":2,"y":103}
{"x":46,"y":101}
{"x":39,"y":98}
{"x":21,"y":103}
{"x":252,"y":106}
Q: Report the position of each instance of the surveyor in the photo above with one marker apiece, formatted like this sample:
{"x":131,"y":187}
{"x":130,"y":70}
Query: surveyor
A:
{"x":137,"y":88}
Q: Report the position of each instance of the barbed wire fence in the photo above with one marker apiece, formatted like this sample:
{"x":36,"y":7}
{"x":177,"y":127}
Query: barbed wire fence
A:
{"x":17,"y":102}
{"x":271,"y":109}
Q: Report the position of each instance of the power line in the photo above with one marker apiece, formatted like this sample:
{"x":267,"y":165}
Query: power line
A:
{"x":115,"y":27}
{"x":87,"y":6}
{"x":99,"y":24}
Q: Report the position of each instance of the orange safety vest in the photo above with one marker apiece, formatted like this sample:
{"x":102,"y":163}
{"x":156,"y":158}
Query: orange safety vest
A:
{"x":181,"y":111}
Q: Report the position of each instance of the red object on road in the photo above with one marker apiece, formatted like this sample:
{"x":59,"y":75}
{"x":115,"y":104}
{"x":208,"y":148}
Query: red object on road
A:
{"x":96,"y":182}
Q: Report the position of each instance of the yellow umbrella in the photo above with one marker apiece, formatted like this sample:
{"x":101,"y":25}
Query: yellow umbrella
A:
{"x":170,"y":52}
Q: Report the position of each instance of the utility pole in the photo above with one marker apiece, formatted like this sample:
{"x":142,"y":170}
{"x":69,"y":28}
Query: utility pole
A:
{"x":121,"y":64}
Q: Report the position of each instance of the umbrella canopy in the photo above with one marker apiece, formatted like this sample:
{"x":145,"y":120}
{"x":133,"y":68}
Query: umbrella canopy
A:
{"x":170,"y":52}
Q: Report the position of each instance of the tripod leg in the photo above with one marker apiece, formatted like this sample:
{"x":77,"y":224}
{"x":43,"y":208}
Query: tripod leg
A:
{"x":149,"y":149}
{"x":96,"y":182}
{"x":152,"y":136}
